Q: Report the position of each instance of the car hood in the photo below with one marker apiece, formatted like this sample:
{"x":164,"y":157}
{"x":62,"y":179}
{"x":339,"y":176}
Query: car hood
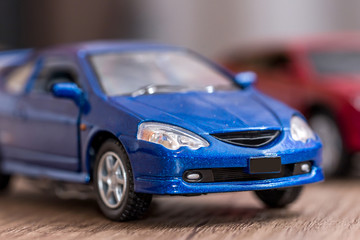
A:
{"x":221,"y":111}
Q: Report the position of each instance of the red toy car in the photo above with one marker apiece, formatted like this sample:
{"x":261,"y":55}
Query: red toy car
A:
{"x":321,"y":78}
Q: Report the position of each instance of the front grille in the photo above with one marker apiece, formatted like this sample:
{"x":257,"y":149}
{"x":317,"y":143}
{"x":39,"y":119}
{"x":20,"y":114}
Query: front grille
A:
{"x":256,"y":138}
{"x":241,"y":174}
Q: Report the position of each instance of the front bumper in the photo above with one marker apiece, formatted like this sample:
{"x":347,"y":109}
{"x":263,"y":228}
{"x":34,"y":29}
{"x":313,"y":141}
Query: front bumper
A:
{"x":177,"y":185}
{"x":160,"y":171}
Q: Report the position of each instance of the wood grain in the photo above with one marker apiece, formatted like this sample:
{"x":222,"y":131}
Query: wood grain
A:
{"x":328,"y":210}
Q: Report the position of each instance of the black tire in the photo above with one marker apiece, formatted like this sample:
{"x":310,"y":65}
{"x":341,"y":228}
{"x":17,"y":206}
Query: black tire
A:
{"x":4,"y":182}
{"x":335,"y":157}
{"x":132,"y":205}
{"x":279,"y":198}
{"x":4,"y":179}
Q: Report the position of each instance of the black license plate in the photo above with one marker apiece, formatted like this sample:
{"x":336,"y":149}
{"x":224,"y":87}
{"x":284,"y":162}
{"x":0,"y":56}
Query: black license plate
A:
{"x":265,"y":165}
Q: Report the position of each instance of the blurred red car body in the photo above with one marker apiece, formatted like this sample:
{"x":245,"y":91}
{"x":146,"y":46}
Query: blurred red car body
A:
{"x":321,"y":78}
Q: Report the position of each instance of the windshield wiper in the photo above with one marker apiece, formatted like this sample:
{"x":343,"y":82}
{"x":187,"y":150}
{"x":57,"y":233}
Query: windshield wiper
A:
{"x":153,"y":88}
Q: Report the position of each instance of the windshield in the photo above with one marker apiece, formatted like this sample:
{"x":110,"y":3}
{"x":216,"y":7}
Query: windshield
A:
{"x":336,"y":62}
{"x":122,"y":73}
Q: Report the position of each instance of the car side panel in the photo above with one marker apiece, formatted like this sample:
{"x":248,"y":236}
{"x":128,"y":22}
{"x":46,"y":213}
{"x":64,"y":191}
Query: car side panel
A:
{"x":49,"y":131}
{"x":9,"y":119}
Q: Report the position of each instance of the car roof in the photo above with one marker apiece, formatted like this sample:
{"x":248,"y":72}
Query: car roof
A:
{"x":332,"y":40}
{"x":105,"y":46}
{"x":329,"y":40}
{"x":345,"y":40}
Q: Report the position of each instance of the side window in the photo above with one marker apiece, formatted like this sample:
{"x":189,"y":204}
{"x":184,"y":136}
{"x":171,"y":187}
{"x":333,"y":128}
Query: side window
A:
{"x":17,"y":79}
{"x":55,"y":71}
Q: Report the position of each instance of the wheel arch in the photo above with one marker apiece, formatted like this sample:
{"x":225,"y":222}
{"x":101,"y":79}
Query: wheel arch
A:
{"x":321,"y":108}
{"x":326,"y":110}
{"x":93,"y":146}
{"x":316,"y":108}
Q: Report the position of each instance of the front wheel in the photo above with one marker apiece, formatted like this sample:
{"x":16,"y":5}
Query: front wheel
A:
{"x":279,"y":198}
{"x":114,"y":184}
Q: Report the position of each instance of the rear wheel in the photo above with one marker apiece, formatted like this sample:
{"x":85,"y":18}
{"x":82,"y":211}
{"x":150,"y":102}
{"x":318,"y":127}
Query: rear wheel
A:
{"x":4,"y":179}
{"x":4,"y":182}
{"x":334,"y":161}
{"x":114,"y":184}
{"x":279,"y":198}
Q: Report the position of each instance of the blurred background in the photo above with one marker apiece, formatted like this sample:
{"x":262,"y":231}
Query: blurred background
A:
{"x":213,"y":28}
{"x":207,"y":26}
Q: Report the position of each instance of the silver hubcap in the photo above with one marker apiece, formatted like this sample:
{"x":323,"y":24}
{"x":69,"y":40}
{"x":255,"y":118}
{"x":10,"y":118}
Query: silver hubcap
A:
{"x":327,"y":130}
{"x":112,"y":179}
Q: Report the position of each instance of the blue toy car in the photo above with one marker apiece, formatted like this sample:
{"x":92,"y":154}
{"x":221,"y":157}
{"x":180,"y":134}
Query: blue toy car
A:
{"x":137,"y":119}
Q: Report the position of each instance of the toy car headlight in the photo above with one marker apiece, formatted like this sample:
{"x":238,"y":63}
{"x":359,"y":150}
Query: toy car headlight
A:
{"x":300,"y":130}
{"x":169,"y":136}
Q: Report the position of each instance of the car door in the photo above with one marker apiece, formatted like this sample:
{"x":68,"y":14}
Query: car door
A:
{"x":50,"y":124}
{"x":11,"y":119}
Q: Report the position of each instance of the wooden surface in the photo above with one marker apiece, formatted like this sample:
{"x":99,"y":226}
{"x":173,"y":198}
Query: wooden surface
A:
{"x":328,"y":210}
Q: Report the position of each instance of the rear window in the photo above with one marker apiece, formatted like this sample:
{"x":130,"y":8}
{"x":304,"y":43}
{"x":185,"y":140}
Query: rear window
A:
{"x":17,"y":79}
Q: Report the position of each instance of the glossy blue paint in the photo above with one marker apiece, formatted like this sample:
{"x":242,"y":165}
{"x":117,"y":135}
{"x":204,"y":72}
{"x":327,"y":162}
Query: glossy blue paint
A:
{"x":220,"y":111}
{"x":69,"y":90}
{"x":72,"y":91}
{"x":176,"y":185}
{"x":44,"y":129}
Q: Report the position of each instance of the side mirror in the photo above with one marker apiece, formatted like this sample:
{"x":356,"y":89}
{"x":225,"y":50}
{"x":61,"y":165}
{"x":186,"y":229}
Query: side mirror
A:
{"x":245,"y":79}
{"x":71,"y":91}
